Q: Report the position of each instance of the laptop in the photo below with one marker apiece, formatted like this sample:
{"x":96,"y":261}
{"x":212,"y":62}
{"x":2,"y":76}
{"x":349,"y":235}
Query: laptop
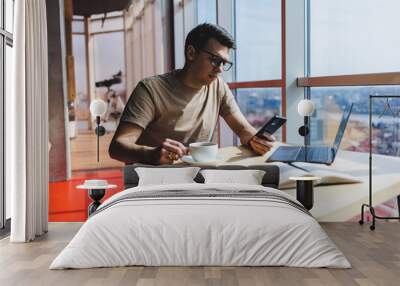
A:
{"x":313,"y":154}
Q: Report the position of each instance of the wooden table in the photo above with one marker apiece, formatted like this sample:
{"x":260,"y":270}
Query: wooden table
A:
{"x":337,"y":202}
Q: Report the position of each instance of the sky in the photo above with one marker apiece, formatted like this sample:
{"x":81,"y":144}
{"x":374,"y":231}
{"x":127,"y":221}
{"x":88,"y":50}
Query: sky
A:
{"x":347,"y":37}
{"x":355,"y":36}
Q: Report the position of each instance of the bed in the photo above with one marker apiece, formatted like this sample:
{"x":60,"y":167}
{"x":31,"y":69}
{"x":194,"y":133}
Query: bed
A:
{"x":201,"y":224}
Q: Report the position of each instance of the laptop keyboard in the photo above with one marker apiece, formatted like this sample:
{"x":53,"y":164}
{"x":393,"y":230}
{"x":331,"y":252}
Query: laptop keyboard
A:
{"x":319,"y":154}
{"x":287,"y":153}
{"x":293,"y":154}
{"x":297,"y":154}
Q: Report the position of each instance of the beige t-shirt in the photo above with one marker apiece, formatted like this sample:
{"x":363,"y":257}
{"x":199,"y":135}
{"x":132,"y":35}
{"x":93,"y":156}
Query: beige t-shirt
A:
{"x":166,"y":108}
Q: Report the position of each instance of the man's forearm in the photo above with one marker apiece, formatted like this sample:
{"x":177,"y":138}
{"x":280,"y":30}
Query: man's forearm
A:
{"x":132,"y":153}
{"x":246,"y":132}
{"x":246,"y":135}
{"x":242,"y":128}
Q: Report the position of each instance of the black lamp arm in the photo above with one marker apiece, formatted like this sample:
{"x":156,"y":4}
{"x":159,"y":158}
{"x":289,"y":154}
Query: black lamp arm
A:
{"x":100,"y":131}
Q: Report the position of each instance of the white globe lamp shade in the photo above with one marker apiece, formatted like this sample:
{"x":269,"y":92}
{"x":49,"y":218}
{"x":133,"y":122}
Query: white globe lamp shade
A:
{"x":98,"y":107}
{"x":305,"y":107}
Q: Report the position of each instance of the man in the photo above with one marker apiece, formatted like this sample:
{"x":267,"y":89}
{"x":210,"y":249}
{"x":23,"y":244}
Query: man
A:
{"x":167,"y":112}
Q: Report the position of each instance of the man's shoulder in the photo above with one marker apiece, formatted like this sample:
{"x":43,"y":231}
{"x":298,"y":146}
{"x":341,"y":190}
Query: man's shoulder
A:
{"x":219,"y":85}
{"x":221,"y":81}
{"x":156,"y":80}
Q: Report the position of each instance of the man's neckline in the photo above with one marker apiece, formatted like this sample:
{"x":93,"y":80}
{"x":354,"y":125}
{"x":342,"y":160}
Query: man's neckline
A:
{"x":177,"y":74}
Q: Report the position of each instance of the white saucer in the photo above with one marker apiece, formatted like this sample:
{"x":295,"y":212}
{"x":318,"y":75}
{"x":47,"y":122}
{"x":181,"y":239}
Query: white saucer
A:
{"x":189,"y":160}
{"x":90,"y":187}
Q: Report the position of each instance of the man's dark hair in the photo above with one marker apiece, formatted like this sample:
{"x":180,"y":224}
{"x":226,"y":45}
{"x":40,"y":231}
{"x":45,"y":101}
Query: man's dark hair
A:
{"x":199,"y":36}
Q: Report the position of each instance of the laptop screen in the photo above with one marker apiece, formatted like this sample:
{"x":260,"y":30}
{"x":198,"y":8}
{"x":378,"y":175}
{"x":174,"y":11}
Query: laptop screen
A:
{"x":342,"y":127}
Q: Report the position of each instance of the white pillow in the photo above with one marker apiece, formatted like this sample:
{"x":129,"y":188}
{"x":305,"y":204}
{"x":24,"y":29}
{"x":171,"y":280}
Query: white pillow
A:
{"x":248,"y":177}
{"x":164,"y":176}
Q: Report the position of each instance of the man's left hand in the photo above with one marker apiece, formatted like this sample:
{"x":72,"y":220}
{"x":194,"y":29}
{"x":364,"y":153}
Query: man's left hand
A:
{"x":262,"y":144}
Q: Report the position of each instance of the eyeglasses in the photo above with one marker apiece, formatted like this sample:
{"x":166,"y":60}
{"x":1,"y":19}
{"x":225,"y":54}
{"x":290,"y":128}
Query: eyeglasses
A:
{"x":217,"y":60}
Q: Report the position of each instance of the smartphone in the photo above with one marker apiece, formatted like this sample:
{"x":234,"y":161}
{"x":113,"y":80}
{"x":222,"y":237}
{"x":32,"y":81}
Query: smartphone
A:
{"x":271,"y":125}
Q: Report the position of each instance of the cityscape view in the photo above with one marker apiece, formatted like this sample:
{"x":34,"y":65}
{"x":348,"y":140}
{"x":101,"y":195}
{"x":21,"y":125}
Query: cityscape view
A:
{"x":258,"y":104}
{"x":330,"y":103}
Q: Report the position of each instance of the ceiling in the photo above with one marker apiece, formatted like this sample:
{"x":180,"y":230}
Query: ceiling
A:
{"x":90,"y":7}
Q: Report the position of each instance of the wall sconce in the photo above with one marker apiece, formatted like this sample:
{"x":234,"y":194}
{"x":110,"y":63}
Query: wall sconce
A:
{"x":305,"y":108}
{"x":98,"y":108}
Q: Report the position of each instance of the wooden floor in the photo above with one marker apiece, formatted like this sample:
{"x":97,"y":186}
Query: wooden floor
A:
{"x":375,"y":257}
{"x":84,"y":152}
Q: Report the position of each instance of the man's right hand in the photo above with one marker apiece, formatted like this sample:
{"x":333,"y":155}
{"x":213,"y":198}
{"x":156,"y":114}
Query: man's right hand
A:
{"x":169,"y":151}
{"x":262,"y":144}
{"x":123,"y":147}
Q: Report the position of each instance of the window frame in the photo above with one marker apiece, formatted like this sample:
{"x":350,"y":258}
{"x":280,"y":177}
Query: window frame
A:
{"x":390,"y":78}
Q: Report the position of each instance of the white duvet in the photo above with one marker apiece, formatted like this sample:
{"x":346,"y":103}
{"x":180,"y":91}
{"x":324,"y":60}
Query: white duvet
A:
{"x":183,"y":231}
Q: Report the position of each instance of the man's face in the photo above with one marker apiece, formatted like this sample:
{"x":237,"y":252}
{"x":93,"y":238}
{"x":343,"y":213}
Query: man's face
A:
{"x":208,"y":62}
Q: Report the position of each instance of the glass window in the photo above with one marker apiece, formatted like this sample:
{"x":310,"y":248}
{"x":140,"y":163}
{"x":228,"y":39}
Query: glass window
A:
{"x":9,"y":9}
{"x":107,"y":25}
{"x":82,"y":98}
{"x":350,"y":37}
{"x":1,"y":14}
{"x":330,"y":103}
{"x":258,"y":39}
{"x":259,"y":104}
{"x":8,"y":69}
{"x":109,"y":60}
{"x":2,"y":111}
{"x":207,"y":11}
{"x":78,"y":50}
{"x":78,"y":26}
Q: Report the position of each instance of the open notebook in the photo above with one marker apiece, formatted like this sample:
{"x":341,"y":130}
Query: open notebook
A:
{"x":329,"y":176}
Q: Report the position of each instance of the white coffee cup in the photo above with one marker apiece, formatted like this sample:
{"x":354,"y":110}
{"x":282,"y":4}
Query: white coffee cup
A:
{"x":203,"y":151}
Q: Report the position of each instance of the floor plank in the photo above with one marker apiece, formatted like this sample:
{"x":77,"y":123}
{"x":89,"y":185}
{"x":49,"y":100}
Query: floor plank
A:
{"x":375,"y":257}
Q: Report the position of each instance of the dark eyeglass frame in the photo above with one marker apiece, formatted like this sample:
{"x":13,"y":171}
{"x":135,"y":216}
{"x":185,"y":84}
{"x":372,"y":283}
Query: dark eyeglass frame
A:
{"x":217,"y":60}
